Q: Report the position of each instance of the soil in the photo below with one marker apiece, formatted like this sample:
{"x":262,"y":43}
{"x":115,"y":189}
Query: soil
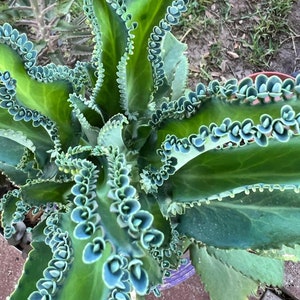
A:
{"x":191,"y":289}
{"x":292,"y":280}
{"x":223,"y":51}
{"x":11,"y":267}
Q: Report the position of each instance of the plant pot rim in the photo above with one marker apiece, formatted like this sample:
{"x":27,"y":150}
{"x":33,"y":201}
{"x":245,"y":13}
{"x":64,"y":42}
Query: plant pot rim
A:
{"x":282,"y":76}
{"x":184,"y":272}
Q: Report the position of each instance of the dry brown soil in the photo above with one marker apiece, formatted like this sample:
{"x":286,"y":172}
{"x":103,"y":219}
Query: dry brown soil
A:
{"x":231,"y":35}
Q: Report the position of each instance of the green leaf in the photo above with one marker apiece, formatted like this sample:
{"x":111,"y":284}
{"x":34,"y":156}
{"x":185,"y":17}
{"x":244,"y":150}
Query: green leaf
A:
{"x":260,"y":220}
{"x":111,"y":224}
{"x":266,"y":270}
{"x":83,"y":281}
{"x":175,"y":65}
{"x":85,"y":115}
{"x":111,"y":132}
{"x":43,"y":192}
{"x":11,"y":152}
{"x":147,"y":14}
{"x":37,"y":135}
{"x":218,"y":173}
{"x":284,"y":253}
{"x":214,"y":110}
{"x":63,"y":7}
{"x":15,"y":156}
{"x":111,"y":44}
{"x":50,"y":99}
{"x":221,"y":281}
{"x":9,"y":206}
{"x":15,"y":175}
{"x":18,"y":137}
{"x":115,"y":35}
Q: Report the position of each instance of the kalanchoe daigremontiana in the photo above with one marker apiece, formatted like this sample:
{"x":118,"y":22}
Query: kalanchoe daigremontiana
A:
{"x":132,"y":169}
{"x":51,"y":27}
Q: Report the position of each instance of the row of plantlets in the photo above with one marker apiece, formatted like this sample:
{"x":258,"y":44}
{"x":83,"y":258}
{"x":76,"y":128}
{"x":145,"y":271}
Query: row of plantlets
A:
{"x":132,"y":169}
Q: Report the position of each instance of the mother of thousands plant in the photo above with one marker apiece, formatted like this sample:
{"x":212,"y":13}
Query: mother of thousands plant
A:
{"x":132,"y":169}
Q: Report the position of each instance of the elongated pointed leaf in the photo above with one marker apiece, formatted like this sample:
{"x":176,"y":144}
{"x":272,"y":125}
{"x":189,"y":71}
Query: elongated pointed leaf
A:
{"x":11,"y":152}
{"x":112,"y":40}
{"x":284,"y":253}
{"x":37,"y":135}
{"x":265,"y":270}
{"x":147,"y":14}
{"x":214,"y":110}
{"x":220,"y":280}
{"x":43,"y":192}
{"x":221,"y":172}
{"x":175,"y":65}
{"x":115,"y":40}
{"x":259,"y":220}
{"x":15,"y":152}
{"x":14,"y":175}
{"x":50,"y":99}
{"x":83,"y":281}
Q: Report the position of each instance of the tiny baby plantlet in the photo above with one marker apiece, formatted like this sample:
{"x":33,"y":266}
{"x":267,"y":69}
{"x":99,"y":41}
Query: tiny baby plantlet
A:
{"x":132,"y":169}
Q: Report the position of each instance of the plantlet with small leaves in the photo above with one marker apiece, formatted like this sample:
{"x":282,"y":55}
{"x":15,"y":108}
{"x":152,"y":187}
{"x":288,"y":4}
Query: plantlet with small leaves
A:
{"x":132,"y":169}
{"x":55,"y":27}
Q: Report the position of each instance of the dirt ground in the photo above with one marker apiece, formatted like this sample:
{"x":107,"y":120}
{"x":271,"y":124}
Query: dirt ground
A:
{"x":224,"y":52}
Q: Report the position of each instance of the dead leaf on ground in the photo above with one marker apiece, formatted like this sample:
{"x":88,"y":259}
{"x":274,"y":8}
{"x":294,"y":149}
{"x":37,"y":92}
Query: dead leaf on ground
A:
{"x":233,"y":55}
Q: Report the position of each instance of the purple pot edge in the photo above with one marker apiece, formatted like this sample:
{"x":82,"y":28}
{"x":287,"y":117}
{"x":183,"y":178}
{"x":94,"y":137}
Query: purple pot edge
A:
{"x":184,"y":272}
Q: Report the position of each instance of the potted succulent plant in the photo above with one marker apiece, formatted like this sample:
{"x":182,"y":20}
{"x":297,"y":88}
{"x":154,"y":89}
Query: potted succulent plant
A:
{"x":131,"y":169}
